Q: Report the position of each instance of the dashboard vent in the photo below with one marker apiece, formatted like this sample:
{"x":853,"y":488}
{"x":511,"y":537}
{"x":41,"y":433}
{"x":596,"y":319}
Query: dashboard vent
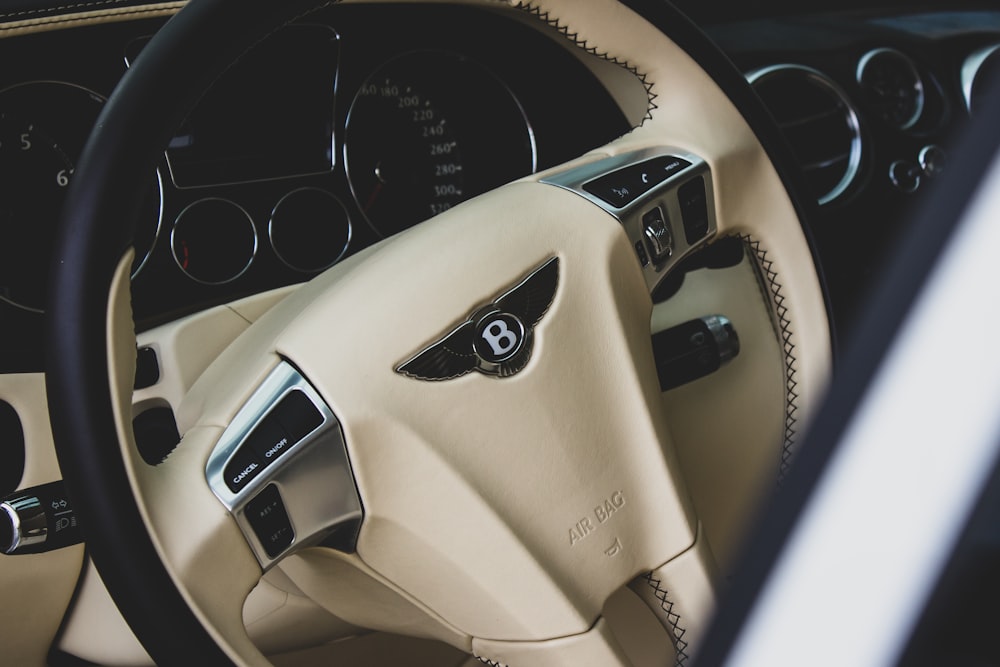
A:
{"x":819,"y":122}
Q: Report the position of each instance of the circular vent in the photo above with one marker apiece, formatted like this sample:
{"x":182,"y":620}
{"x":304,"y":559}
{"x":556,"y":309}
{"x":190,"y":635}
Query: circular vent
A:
{"x":820,"y":124}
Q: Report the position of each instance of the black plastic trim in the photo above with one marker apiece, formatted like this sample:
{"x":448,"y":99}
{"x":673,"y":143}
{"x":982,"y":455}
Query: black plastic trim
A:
{"x":12,"y":450}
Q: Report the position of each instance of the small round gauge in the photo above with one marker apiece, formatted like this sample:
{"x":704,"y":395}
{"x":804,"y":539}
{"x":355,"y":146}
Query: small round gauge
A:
{"x":309,"y":229}
{"x":214,"y":241}
{"x":428,"y":130}
{"x":43,"y":127}
{"x":892,"y":86}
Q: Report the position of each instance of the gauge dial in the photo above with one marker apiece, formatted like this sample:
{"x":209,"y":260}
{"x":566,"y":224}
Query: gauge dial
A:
{"x":214,"y":241}
{"x":309,"y":230}
{"x":43,"y":126}
{"x":892,"y":86}
{"x":427,"y":131}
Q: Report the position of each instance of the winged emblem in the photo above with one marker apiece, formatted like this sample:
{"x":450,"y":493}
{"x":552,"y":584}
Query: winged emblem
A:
{"x":496,"y":339}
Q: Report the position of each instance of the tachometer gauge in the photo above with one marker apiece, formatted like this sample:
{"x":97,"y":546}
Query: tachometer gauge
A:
{"x":427,"y":131}
{"x":43,"y":126}
{"x":893,"y":86}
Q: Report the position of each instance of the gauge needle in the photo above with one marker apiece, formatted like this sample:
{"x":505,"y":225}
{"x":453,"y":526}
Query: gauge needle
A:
{"x":374,"y":196}
{"x":379,"y":182}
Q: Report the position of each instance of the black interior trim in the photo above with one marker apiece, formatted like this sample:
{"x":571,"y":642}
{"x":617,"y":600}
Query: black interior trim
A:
{"x":12,"y":451}
{"x":882,"y":317}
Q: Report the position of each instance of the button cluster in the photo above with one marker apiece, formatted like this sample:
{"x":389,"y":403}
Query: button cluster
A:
{"x":269,"y":519}
{"x":291,"y":420}
{"x":621,"y":188}
{"x":694,"y":209}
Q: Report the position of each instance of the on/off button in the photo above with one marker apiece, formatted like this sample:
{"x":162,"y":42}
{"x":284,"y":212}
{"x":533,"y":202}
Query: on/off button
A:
{"x":269,"y":440}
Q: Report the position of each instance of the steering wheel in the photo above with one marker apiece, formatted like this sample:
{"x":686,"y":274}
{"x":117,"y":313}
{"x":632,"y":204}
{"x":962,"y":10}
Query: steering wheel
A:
{"x":487,"y":416}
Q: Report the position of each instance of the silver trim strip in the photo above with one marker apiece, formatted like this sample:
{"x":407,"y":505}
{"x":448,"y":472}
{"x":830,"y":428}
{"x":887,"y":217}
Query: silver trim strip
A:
{"x":314,"y":476}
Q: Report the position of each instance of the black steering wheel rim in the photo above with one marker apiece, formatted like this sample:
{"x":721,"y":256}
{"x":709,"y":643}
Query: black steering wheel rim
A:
{"x":175,"y":69}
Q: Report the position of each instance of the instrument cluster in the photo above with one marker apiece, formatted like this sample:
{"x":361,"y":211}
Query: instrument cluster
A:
{"x":332,"y":134}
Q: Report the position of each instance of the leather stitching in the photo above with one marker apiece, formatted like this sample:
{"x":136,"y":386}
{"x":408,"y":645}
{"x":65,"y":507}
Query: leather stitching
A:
{"x":491,"y":663}
{"x":72,"y":18}
{"x":47,"y":11}
{"x":776,"y":298}
{"x":677,"y":631}
{"x":574,"y":37}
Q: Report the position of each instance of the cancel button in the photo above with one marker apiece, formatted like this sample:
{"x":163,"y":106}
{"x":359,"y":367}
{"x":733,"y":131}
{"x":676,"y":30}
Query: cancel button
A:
{"x":242,"y":468}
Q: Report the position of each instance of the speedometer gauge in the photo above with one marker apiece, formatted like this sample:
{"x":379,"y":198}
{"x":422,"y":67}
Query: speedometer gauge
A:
{"x":43,"y":126}
{"x":427,"y":131}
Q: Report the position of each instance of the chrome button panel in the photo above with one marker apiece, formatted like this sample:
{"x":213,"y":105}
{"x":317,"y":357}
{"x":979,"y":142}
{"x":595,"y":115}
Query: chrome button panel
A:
{"x":663,"y":198}
{"x":287,"y":443}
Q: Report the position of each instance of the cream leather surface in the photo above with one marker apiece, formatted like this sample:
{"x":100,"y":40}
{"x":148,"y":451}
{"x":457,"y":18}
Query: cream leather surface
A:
{"x":89,"y":13}
{"x":728,"y":426}
{"x":37,"y":588}
{"x":515,"y":581}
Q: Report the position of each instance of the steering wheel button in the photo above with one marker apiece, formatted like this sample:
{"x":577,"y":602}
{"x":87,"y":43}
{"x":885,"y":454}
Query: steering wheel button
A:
{"x":613,"y":190}
{"x":640,"y":251}
{"x":694,"y":210}
{"x":297,"y":414}
{"x":269,"y":440}
{"x":147,"y":368}
{"x":622,"y":187}
{"x":242,"y":468}
{"x":269,"y":520}
{"x":659,"y":240}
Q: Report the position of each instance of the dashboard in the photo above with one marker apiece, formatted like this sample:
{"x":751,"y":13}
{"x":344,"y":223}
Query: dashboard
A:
{"x":326,"y":137}
{"x":869,"y":99}
{"x":343,"y":130}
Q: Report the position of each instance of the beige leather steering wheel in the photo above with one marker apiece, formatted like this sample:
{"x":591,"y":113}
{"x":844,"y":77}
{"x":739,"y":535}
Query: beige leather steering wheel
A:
{"x":498,"y":508}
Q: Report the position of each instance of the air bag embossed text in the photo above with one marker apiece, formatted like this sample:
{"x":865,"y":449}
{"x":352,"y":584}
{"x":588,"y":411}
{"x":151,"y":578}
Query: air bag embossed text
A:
{"x":602,"y":513}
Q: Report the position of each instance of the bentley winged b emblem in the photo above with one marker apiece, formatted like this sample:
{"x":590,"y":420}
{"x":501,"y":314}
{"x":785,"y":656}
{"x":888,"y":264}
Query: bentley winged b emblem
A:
{"x":496,"y":339}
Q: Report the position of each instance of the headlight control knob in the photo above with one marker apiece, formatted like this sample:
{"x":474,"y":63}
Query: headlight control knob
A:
{"x":38,"y":519}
